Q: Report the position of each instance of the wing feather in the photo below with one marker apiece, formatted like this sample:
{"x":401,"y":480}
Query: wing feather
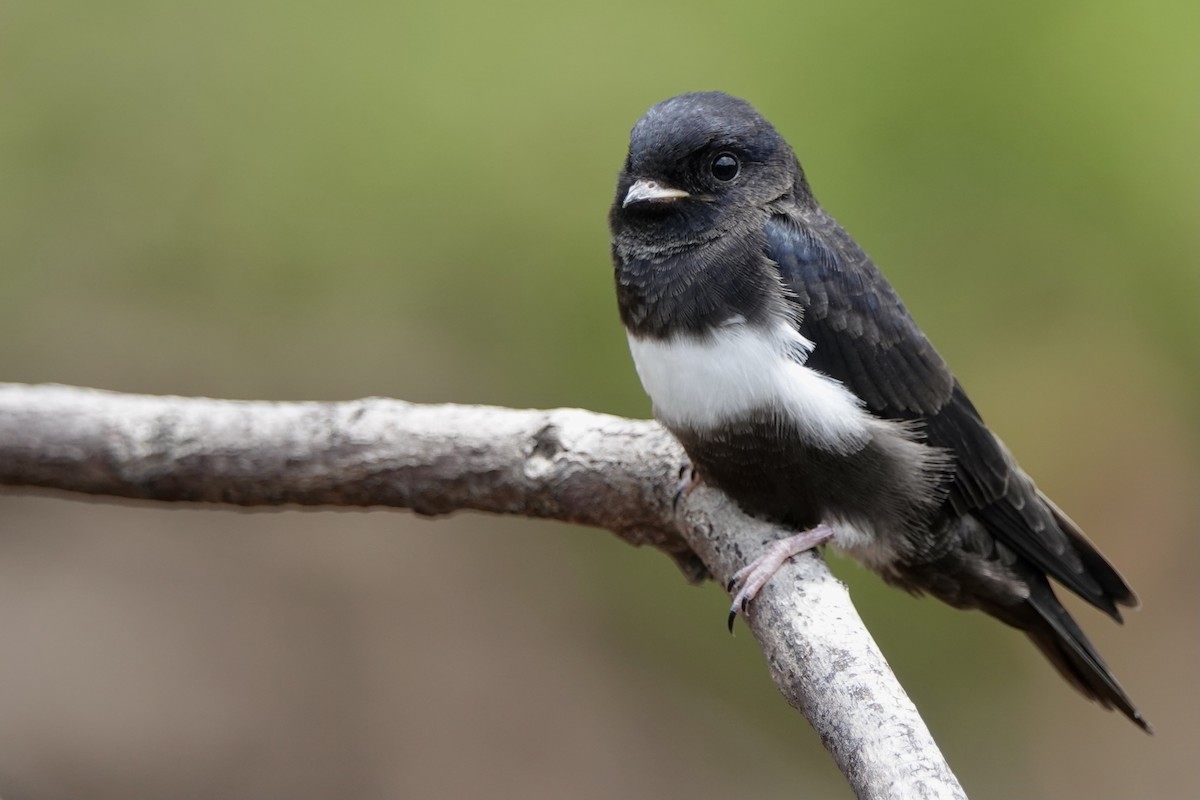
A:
{"x":864,"y":337}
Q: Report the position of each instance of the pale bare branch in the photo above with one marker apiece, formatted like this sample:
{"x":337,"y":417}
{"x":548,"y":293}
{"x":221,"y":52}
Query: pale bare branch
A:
{"x":565,"y":464}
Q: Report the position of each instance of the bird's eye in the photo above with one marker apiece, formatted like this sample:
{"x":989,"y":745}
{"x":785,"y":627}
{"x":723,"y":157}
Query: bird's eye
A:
{"x":725,"y":167}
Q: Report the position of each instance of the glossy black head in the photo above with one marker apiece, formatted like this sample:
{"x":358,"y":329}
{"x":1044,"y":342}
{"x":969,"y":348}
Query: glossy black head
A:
{"x":700,"y":165}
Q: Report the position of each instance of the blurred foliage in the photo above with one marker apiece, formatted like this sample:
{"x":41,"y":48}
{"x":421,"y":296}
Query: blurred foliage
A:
{"x":310,"y":200}
{"x":440,"y":174}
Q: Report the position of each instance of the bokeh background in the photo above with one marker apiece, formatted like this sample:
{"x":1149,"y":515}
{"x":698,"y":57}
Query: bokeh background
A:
{"x":307,"y":200}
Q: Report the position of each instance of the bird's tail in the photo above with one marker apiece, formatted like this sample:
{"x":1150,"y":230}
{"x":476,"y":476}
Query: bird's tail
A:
{"x":1058,"y":636}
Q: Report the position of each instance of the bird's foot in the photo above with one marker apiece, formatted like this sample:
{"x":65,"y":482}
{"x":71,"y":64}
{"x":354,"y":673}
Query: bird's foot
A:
{"x":689,"y":479}
{"x":751,"y":578}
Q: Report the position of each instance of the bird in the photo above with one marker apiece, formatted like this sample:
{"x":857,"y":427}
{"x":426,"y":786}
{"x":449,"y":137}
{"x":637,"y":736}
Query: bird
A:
{"x":797,"y":382}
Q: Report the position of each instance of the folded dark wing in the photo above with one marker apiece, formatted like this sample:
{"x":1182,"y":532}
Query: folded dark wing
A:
{"x":864,"y":337}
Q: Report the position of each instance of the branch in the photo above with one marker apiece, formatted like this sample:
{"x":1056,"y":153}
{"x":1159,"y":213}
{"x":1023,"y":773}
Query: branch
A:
{"x":565,"y":464}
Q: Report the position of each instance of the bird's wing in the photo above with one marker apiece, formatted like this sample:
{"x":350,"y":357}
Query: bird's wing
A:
{"x":864,"y":337}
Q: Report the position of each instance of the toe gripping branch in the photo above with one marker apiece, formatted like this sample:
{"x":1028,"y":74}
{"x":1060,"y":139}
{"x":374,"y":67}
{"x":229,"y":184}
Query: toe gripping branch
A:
{"x":750,"y":579}
{"x":689,"y":479}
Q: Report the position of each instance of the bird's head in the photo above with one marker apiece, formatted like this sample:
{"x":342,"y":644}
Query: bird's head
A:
{"x":700,"y":165}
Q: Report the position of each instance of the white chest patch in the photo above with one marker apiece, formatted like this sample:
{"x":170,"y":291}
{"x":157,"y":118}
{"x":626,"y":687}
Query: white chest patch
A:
{"x":700,"y":382}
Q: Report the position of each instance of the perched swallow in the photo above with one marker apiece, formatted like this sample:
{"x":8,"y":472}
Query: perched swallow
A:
{"x":799,"y":385}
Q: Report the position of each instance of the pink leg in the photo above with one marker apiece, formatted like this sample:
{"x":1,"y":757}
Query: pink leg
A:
{"x":755,"y":575}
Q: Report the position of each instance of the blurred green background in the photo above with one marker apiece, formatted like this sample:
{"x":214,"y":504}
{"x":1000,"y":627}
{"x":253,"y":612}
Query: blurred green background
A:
{"x":309,"y":200}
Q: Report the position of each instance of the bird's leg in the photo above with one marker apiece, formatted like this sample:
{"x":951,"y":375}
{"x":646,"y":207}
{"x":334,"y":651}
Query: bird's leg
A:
{"x":752,"y":577}
{"x":689,"y":479}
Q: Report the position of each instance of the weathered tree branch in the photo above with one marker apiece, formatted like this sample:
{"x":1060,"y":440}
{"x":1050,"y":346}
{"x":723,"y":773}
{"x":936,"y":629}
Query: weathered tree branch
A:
{"x":565,"y":464}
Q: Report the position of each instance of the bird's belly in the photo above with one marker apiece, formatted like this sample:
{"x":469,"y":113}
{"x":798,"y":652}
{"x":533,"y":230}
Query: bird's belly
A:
{"x":787,"y":442}
{"x":875,"y":497}
{"x":770,"y":470}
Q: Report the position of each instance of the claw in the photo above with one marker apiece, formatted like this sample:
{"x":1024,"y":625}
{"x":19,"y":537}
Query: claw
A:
{"x":750,"y":579}
{"x":686,"y":485}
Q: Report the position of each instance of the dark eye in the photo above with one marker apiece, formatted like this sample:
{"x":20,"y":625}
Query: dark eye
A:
{"x":725,"y":166}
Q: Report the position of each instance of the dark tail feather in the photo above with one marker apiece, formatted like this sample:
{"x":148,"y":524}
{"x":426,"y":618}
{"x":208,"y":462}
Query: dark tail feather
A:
{"x":1061,"y":640}
{"x":1115,"y":588}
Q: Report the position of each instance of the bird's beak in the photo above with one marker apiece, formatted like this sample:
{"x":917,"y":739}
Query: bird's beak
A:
{"x":648,"y":191}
